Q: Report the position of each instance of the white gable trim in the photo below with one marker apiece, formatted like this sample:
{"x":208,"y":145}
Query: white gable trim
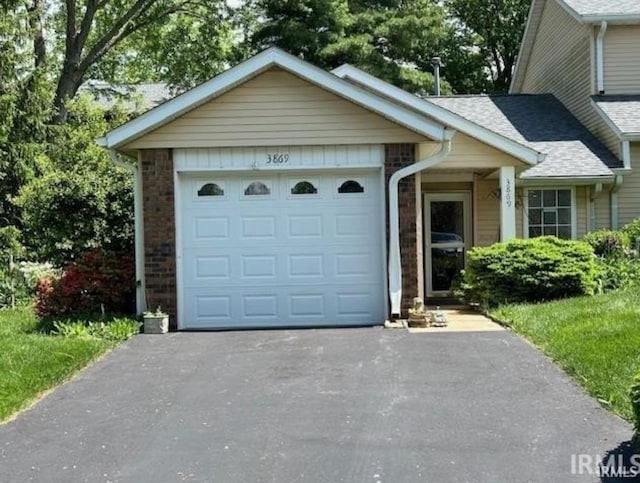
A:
{"x":517,"y":150}
{"x":272,"y":57}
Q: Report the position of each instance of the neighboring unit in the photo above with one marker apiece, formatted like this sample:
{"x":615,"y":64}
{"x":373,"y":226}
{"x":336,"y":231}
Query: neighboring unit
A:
{"x":281,"y":195}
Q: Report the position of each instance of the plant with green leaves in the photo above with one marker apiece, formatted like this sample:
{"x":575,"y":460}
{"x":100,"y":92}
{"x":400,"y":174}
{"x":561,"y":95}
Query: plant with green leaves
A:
{"x":635,"y":404}
{"x":536,"y":269}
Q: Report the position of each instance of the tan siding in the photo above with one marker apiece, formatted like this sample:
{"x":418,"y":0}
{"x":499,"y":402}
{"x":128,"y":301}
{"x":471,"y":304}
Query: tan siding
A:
{"x":622,"y":59}
{"x":602,"y":210}
{"x":468,"y":152}
{"x":488,"y":213}
{"x":561,"y":64}
{"x":629,"y":194}
{"x":581,"y":211}
{"x":449,"y":186}
{"x":276,"y":108}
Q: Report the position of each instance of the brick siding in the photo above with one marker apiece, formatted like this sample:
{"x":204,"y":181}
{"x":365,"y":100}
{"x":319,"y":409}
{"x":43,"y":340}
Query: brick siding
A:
{"x":159,"y":231}
{"x":398,"y":156}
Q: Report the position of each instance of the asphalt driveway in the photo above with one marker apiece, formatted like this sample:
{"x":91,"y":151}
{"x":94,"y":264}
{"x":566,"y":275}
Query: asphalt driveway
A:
{"x":350,"y":405}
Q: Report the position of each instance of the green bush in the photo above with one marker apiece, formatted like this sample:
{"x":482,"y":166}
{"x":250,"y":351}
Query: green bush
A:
{"x":608,"y":243}
{"x":635,"y":404}
{"x":632,"y":231}
{"x":618,"y":273}
{"x":538,"y":269}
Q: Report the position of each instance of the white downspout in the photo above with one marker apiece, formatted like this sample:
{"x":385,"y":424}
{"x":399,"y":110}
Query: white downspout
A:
{"x":600,"y":56}
{"x":138,"y":227}
{"x":395,"y":263}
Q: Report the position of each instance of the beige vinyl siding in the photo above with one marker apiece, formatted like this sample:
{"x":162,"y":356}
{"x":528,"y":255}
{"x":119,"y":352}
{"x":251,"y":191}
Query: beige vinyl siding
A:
{"x":487,"y":221}
{"x":602,"y":210}
{"x":582,"y":212}
{"x":469,"y":153}
{"x":276,"y":108}
{"x":561,"y":64}
{"x":622,"y":59}
{"x":629,"y":193}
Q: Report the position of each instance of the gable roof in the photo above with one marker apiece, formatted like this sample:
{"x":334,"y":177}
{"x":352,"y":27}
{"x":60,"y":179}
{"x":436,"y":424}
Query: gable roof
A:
{"x":583,"y":11}
{"x":133,"y":97}
{"x":544,"y":124}
{"x":622,"y":113}
{"x":272,"y":57}
{"x":524,"y":152}
{"x":588,"y":11}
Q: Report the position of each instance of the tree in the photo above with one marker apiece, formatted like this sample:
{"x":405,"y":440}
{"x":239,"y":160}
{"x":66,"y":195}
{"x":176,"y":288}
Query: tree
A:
{"x":390,"y":39}
{"x":494,"y":29}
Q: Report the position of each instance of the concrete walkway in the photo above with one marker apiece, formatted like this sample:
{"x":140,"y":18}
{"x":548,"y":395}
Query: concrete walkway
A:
{"x":462,"y":320}
{"x":351,"y":405}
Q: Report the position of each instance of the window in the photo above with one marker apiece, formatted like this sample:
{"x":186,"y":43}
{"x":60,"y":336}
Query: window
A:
{"x":211,"y":189}
{"x":304,"y":188}
{"x":550,"y":212}
{"x":351,"y":186}
{"x":257,"y":188}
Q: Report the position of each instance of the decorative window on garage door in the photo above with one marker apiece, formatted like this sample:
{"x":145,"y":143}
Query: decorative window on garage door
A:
{"x":351,"y":186}
{"x":257,"y":188}
{"x":304,"y":187}
{"x":211,"y":189}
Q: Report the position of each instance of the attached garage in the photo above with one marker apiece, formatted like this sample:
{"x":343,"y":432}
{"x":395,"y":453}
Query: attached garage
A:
{"x":281,"y":248}
{"x":261,"y":198}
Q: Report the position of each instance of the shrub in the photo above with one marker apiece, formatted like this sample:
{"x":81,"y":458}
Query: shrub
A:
{"x":98,"y":282}
{"x":635,"y":405}
{"x":608,"y":243}
{"x":618,"y":273}
{"x":538,"y":269}
{"x":632,"y":231}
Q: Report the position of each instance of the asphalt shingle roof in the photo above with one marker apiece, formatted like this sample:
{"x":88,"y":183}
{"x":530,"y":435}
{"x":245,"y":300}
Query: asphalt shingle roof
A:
{"x":542,"y":123}
{"x":623,"y":111}
{"x":604,"y":7}
{"x":134,"y":97}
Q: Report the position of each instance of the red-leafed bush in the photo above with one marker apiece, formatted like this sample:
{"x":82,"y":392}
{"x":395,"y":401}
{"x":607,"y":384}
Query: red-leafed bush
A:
{"x":97,"y":281}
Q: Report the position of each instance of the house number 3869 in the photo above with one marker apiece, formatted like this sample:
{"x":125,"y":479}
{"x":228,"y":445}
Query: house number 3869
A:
{"x":277,"y":158}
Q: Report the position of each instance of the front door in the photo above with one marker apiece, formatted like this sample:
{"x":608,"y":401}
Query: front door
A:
{"x":447,"y":237}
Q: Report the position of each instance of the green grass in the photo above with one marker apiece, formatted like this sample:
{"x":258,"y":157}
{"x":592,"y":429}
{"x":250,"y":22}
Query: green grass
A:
{"x":595,"y":339}
{"x":32,"y":362}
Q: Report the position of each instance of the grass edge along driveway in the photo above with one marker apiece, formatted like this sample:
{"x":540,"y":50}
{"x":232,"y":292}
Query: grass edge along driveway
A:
{"x":33,"y":362}
{"x":594,"y":339}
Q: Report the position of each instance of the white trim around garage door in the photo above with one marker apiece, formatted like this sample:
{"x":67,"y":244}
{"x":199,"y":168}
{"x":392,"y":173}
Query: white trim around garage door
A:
{"x":322,"y":159}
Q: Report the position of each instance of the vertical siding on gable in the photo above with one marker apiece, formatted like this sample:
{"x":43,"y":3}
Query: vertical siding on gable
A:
{"x":629,"y":193}
{"x":561,"y":64}
{"x":622,"y":59}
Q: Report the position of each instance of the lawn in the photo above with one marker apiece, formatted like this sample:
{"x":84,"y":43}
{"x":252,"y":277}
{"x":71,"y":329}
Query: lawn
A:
{"x":595,"y":339}
{"x":32,"y":362}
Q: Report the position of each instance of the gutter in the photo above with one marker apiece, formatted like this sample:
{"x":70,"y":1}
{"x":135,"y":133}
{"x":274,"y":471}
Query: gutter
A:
{"x":600,"y":57}
{"x":138,"y":227}
{"x":395,"y":261}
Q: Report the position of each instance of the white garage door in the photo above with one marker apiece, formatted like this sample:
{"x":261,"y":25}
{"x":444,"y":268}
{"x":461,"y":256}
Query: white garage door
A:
{"x":275,"y":250}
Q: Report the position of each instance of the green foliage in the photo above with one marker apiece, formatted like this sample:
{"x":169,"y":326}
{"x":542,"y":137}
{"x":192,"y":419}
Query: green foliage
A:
{"x":392,"y":40}
{"x":635,"y":404}
{"x":84,"y":201}
{"x":632,"y":231}
{"x":618,"y":273}
{"x":543,"y":268}
{"x":595,"y":339}
{"x":114,"y":331}
{"x":608,"y":243}
{"x":492,"y":31}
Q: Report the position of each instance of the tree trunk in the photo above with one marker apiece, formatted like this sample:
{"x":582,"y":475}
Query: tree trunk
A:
{"x":68,"y":84}
{"x":36,"y":21}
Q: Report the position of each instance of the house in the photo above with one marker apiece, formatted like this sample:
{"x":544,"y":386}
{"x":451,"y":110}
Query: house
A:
{"x":278,"y":194}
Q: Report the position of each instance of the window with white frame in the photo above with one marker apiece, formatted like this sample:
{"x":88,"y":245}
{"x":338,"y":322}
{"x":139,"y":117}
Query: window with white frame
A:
{"x":550,"y":212}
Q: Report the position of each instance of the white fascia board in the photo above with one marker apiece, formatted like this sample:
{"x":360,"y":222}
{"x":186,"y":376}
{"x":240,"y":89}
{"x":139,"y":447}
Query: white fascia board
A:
{"x":524,"y":153}
{"x":606,"y":119}
{"x":250,"y":68}
{"x":565,"y":180}
{"x":521,"y":51}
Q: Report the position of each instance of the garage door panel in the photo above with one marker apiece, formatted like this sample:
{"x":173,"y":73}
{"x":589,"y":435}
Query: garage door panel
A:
{"x":282,"y":260}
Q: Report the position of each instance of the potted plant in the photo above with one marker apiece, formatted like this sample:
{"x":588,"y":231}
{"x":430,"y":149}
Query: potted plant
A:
{"x":156,"y":322}
{"x":418,"y":315}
